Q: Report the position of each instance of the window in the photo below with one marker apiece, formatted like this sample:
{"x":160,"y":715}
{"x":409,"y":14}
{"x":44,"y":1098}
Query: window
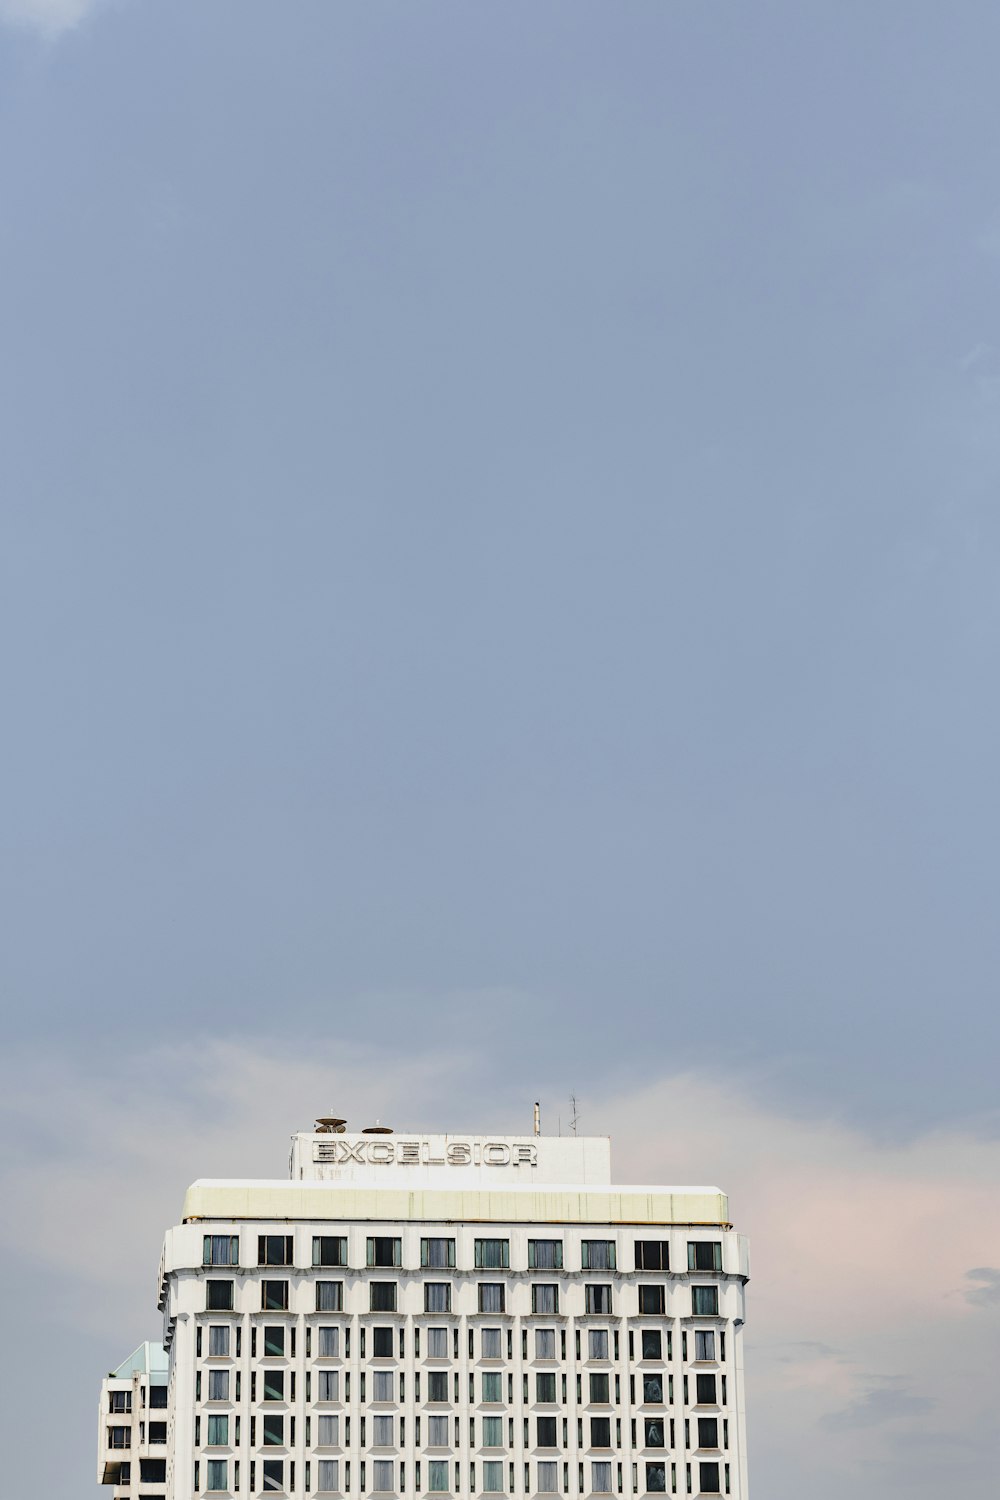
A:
{"x":545,"y":1432}
{"x":437,"y":1432}
{"x":653,"y":1300}
{"x":221,"y":1250}
{"x":329,"y":1250}
{"x":218,"y":1432}
{"x":652,"y":1343}
{"x":382,"y":1343}
{"x":152,"y":1471}
{"x":492,"y":1255}
{"x":598,"y":1295}
{"x":491,"y":1296}
{"x":544,"y":1298}
{"x":598,"y":1255}
{"x":274,"y":1474}
{"x":328,"y":1475}
{"x":548,"y":1478}
{"x":705,"y":1301}
{"x":705,"y":1388}
{"x":327,"y":1343}
{"x":652,"y":1390}
{"x":218,"y":1340}
{"x":274,"y":1296}
{"x":274,"y":1384}
{"x":656,"y":1479}
{"x":120,"y":1401}
{"x":545,"y":1385}
{"x":600,"y":1432}
{"x":119,"y":1437}
{"x":218,"y":1385}
{"x":384,"y":1251}
{"x":383,"y":1296}
{"x":492,"y":1387}
{"x":383,"y":1385}
{"x":437,"y":1297}
{"x":545,"y":1343}
{"x":600,"y":1478}
{"x":274,"y":1431}
{"x":545,"y":1255}
{"x":437,"y":1343}
{"x":438,"y":1254}
{"x":327,"y":1385}
{"x":493,"y":1432}
{"x":654,"y":1433}
{"x":708,"y":1479}
{"x":437,"y":1385}
{"x":158,"y":1397}
{"x":708,"y":1432}
{"x":491,"y":1344}
{"x":274,"y":1340}
{"x":437,"y":1476}
{"x":600,"y":1389}
{"x":382,"y":1436}
{"x":218,"y":1474}
{"x":382,"y":1472}
{"x":492,"y":1477}
{"x":219,"y":1296}
{"x":274,"y":1250}
{"x":328,"y":1431}
{"x":652,"y":1255}
{"x":704,"y":1255}
{"x":597,"y":1343}
{"x":329,"y":1296}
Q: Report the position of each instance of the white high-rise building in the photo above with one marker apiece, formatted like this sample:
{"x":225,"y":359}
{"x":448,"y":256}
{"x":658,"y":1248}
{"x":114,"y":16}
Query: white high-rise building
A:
{"x":414,"y":1315}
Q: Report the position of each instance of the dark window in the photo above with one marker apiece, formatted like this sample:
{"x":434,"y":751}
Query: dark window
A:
{"x":274,"y":1469}
{"x":120,"y":1402}
{"x":600,"y":1432}
{"x":705,"y":1301}
{"x":274,"y":1249}
{"x":708,"y":1479}
{"x":219,"y":1296}
{"x":545,"y":1255}
{"x":384,"y":1251}
{"x":598,"y":1295}
{"x":705,"y":1388}
{"x":221,"y":1250}
{"x":274,"y":1431}
{"x":656,"y":1479}
{"x":152,"y":1471}
{"x":274,"y":1296}
{"x":274,"y":1340}
{"x":600,"y":1389}
{"x":329,"y":1250}
{"x":383,"y":1296}
{"x":438,"y":1254}
{"x":652,"y":1390}
{"x":119,"y":1437}
{"x":708,"y":1432}
{"x":492,"y":1255}
{"x":546,"y":1432}
{"x":274,"y":1384}
{"x":652,"y":1343}
{"x":382,"y":1343}
{"x":437,"y":1385}
{"x":654,"y":1433}
{"x":545,"y":1385}
{"x":653,"y":1300}
{"x":157,"y":1432}
{"x":329,"y":1296}
{"x":158,"y":1397}
{"x":704,"y":1255}
{"x":598,"y":1255}
{"x":652,"y":1255}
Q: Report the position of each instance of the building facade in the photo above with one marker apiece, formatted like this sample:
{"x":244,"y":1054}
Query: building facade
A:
{"x":412,"y":1315}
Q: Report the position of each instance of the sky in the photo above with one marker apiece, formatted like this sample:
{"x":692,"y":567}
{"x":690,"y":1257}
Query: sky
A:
{"x":498,"y":599}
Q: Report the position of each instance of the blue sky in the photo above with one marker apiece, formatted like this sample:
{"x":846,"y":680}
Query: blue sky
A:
{"x":500,"y":560}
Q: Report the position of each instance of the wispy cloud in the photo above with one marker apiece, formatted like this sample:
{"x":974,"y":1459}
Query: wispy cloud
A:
{"x":51,"y":17}
{"x":885,"y":1401}
{"x":987,"y":1294}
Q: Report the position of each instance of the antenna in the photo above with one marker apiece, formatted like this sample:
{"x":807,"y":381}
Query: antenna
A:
{"x":574,"y":1118}
{"x":538,"y":1118}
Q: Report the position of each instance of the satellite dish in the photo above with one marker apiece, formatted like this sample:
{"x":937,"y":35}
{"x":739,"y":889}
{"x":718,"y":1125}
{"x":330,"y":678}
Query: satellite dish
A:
{"x":330,"y":1125}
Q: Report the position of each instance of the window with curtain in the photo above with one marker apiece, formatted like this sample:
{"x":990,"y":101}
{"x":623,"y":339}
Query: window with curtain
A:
{"x":600,"y":1388}
{"x":218,"y":1340}
{"x":492,"y":1477}
{"x":492,"y":1343}
{"x":493,"y":1432}
{"x":437,"y":1432}
{"x":437,"y":1385}
{"x":328,"y":1431}
{"x":437,"y":1343}
{"x":545,"y":1343}
{"x":120,"y":1401}
{"x":384,"y":1250}
{"x":705,"y":1388}
{"x":600,"y":1478}
{"x":218,"y":1432}
{"x":652,"y":1390}
{"x":708,"y":1432}
{"x":545,"y":1255}
{"x":547,"y":1477}
{"x":705,"y":1301}
{"x":327,"y":1343}
{"x":382,"y":1475}
{"x":328,"y":1476}
{"x":653,"y":1300}
{"x":704,"y":1255}
{"x":383,"y":1296}
{"x":217,"y":1474}
{"x":437,"y":1476}
{"x":492,"y":1385}
{"x":704,"y":1344}
{"x":708,"y":1479}
{"x":544,"y":1298}
{"x":437,"y":1254}
{"x":656,"y":1479}
{"x":219,"y":1296}
{"x":329,"y":1296}
{"x":221,"y":1250}
{"x":437,"y":1296}
{"x":598,"y":1255}
{"x":491,"y":1297}
{"x":597,"y":1343}
{"x":328,"y":1385}
{"x":545,"y":1385}
{"x":652,"y":1343}
{"x":119,"y":1437}
{"x":492,"y":1255}
{"x":218,"y":1385}
{"x":329,"y":1250}
{"x":382,"y":1435}
{"x":654,"y":1432}
{"x":383,"y":1385}
{"x":598,"y":1297}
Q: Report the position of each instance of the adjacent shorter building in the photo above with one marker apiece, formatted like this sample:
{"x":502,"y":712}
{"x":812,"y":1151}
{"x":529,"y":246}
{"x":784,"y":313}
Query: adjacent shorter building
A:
{"x":463,"y":1316}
